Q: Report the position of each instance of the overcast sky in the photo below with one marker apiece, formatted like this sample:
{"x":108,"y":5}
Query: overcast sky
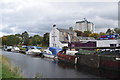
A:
{"x":38,"y":16}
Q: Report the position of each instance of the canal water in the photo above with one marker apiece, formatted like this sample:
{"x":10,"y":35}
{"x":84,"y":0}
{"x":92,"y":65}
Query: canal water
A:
{"x":49,"y":68}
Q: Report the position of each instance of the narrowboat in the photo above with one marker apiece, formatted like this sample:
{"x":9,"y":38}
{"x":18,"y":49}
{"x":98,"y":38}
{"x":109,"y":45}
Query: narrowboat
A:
{"x":51,"y":52}
{"x":104,"y":59}
{"x":68,"y":56}
{"x":89,"y":58}
{"x":110,"y":60}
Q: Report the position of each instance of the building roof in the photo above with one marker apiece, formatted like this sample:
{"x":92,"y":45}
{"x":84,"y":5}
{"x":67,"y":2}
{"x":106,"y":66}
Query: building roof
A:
{"x":86,"y":38}
{"x":72,"y":36}
{"x":83,"y":21}
{"x":65,"y":30}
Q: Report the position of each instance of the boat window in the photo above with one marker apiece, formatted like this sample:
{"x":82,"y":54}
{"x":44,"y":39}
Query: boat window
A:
{"x":45,"y":51}
{"x":32,"y":48}
{"x":113,"y":45}
{"x":116,"y":52}
{"x":52,"y":50}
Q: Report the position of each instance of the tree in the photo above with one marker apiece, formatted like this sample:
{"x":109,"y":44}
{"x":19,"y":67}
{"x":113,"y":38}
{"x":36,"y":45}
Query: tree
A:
{"x":110,"y":32}
{"x":46,"y":39}
{"x":95,"y":35}
{"x":30,"y":41}
{"x":79,"y":33}
{"x":20,"y":38}
{"x":102,"y":33}
{"x":4,"y":40}
{"x":19,"y":35}
{"x":25,"y":38}
{"x":117,"y":30}
{"x":36,"y":40}
{"x":10,"y":40}
{"x":86,"y":33}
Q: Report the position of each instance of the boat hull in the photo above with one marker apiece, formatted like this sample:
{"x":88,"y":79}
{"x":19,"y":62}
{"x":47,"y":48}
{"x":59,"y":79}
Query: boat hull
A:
{"x":93,"y":61}
{"x":49,"y":55}
{"x":67,"y":58}
{"x":7,"y":49}
{"x":110,"y":63}
{"x":89,"y":60}
{"x":33,"y":53}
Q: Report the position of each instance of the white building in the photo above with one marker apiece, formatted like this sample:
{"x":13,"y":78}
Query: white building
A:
{"x":84,"y":26}
{"x":60,"y":37}
{"x":118,"y":42}
{"x":107,"y":43}
{"x":104,"y":43}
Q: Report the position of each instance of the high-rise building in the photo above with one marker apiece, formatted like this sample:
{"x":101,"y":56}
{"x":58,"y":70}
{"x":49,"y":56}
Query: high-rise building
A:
{"x":84,"y":26}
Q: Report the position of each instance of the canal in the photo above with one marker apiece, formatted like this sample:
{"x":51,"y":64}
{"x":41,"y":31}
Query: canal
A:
{"x":48,"y":68}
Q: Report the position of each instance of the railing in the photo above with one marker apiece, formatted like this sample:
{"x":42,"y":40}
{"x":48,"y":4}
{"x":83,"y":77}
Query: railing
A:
{"x":91,"y":47}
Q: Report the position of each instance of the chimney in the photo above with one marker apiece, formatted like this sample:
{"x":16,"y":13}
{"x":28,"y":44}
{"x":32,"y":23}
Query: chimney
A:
{"x":71,"y":28}
{"x":54,"y":25}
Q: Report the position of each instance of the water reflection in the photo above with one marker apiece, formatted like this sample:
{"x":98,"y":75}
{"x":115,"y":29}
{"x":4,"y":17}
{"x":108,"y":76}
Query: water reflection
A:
{"x":102,"y":73}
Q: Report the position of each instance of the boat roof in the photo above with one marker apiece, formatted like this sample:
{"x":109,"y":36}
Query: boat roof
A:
{"x":32,"y":47}
{"x":38,"y":47}
{"x":55,"y":48}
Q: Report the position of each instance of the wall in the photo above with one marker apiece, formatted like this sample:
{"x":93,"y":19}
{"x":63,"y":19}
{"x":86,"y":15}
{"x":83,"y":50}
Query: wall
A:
{"x":80,"y":26}
{"x":83,"y":26}
{"x":106,"y":43}
{"x":56,"y":42}
{"x":99,"y":43}
{"x":91,"y":27}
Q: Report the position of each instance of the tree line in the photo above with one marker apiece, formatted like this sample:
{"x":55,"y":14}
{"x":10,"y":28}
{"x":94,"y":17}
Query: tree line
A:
{"x":26,"y":39}
{"x":36,"y":40}
{"x":97,"y":35}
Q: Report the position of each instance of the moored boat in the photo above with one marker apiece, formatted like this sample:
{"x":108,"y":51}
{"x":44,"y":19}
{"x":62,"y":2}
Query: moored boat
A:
{"x":104,"y":59}
{"x":32,"y":50}
{"x":110,"y":60}
{"x":51,"y":52}
{"x":8,"y":48}
{"x":68,"y":56}
{"x":15,"y":49}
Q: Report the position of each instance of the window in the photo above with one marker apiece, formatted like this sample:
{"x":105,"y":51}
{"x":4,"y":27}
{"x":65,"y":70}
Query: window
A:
{"x":113,"y":45}
{"x":55,"y":45}
{"x":54,"y":38}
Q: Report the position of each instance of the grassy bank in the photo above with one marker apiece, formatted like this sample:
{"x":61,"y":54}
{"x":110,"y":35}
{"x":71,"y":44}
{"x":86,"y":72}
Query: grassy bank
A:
{"x":7,"y":70}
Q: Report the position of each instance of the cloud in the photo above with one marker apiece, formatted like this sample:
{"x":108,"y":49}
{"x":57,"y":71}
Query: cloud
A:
{"x":37,"y":17}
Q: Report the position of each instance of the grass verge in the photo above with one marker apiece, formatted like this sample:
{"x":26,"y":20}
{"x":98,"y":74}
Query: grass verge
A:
{"x":7,"y":70}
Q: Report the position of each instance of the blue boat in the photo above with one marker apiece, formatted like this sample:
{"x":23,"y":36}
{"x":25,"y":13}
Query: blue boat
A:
{"x":51,"y":52}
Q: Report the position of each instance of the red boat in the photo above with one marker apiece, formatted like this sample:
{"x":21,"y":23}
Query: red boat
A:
{"x":67,"y":58}
{"x":105,"y":60}
{"x":110,"y":60}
